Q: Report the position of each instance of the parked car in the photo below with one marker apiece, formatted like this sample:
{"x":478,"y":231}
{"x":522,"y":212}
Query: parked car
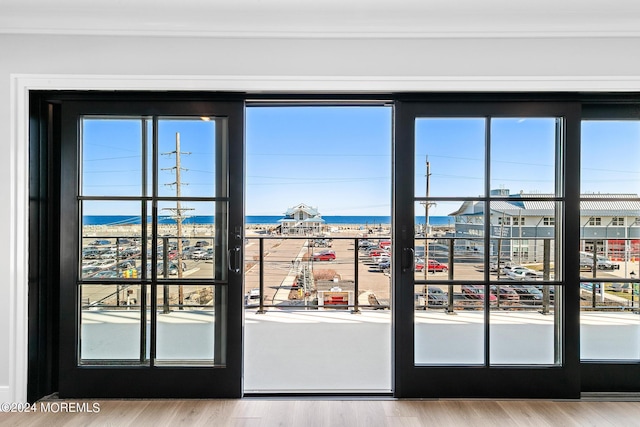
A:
{"x":521,"y":273}
{"x":105,"y":263}
{"x":384,"y":256}
{"x":125,"y":265}
{"x":436,"y":296}
{"x":106,"y":274}
{"x":552,"y":290}
{"x":322,"y":243}
{"x":130,"y":252}
{"x":199,"y":253}
{"x":100,"y":242}
{"x":90,"y":270}
{"x":524,"y":275}
{"x":432,"y":267}
{"x":252,"y":298}
{"x":374,"y":252}
{"x":366,"y":244}
{"x":476,"y":292}
{"x":324,"y":256}
{"x":90,"y":253}
{"x":208,"y":255}
{"x":507,"y":293}
{"x":173,"y":268}
{"x":528,"y":292}
{"x":384,"y":265}
{"x":109,"y":255}
{"x":494,"y":267}
{"x":602,"y":263}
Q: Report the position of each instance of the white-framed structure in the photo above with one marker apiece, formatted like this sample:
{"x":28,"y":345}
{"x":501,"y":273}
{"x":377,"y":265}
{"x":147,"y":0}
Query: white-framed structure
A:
{"x":302,"y":219}
{"x":612,"y":228}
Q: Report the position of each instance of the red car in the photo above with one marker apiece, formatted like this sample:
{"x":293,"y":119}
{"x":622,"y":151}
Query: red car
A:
{"x":324,"y":256}
{"x":433,"y":266}
{"x":507,"y":293}
{"x":476,"y":292}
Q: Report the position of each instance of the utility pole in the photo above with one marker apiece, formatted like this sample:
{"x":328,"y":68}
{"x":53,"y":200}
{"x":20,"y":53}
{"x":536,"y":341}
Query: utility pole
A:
{"x":178,"y":214}
{"x":427,"y":204}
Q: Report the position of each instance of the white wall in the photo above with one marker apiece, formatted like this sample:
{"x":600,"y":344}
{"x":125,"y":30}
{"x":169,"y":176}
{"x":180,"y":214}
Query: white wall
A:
{"x":331,"y":64}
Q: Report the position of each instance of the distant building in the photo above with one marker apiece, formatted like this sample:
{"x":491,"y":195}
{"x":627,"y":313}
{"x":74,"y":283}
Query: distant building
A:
{"x":302,"y":219}
{"x":521,"y":225}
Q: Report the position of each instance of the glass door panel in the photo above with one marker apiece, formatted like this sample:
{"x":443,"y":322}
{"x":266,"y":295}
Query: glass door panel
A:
{"x":151,"y":277}
{"x":610,"y":241}
{"x":481,"y":249}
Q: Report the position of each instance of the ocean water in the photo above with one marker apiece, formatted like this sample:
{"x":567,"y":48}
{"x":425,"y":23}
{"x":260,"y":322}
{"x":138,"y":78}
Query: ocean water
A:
{"x":258,"y":219}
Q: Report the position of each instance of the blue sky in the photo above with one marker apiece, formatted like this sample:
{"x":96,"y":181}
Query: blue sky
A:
{"x":338,"y":159}
{"x":522,"y":155}
{"x":610,"y":156}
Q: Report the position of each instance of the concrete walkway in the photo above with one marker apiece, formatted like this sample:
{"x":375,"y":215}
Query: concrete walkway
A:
{"x":282,"y":294}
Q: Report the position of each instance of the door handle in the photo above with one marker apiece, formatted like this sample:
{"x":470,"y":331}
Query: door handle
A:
{"x":233,"y":259}
{"x":408,"y":259}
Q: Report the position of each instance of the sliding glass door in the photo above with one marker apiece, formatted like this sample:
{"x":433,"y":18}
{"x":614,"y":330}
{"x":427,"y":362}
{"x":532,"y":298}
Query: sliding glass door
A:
{"x":151,"y":249}
{"x":484,"y":304}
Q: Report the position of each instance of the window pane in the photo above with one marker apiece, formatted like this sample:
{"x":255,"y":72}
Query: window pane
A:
{"x":109,"y":323}
{"x":186,"y":324}
{"x":186,"y":157}
{"x":111,"y":246}
{"x":453,"y":240}
{"x":445,"y":339}
{"x":453,"y":149}
{"x":522,"y":330}
{"x":524,"y":239}
{"x":112,"y":156}
{"x":187,"y":239}
{"x":610,"y":236}
{"x":611,"y":230}
{"x":609,"y":321}
{"x":523,"y":155}
{"x":609,"y":158}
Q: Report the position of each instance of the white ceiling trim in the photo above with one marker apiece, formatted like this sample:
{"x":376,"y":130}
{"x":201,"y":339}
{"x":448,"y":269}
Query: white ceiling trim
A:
{"x":325,"y":34}
{"x":324,"y":19}
{"x":325,"y":84}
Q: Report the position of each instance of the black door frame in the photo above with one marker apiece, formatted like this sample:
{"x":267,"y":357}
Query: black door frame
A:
{"x":73,"y":380}
{"x":561,"y":381}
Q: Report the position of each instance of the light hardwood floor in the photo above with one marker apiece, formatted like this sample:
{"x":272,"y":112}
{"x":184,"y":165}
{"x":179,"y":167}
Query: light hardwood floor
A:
{"x":336,"y":412}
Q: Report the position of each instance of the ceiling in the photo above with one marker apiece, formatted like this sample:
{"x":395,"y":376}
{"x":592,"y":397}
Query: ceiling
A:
{"x":324,"y":18}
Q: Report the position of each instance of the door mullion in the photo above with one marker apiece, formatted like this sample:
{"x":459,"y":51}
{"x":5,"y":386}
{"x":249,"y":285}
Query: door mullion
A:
{"x":487,"y":240}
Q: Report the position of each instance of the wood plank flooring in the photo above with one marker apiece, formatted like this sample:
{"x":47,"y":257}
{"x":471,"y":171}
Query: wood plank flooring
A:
{"x":310,"y":412}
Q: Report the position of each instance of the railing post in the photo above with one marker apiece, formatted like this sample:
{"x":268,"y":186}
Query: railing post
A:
{"x":450,"y":293}
{"x":546,"y":275}
{"x":261,"y":275}
{"x":356,"y":308}
{"x":165,"y":272}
